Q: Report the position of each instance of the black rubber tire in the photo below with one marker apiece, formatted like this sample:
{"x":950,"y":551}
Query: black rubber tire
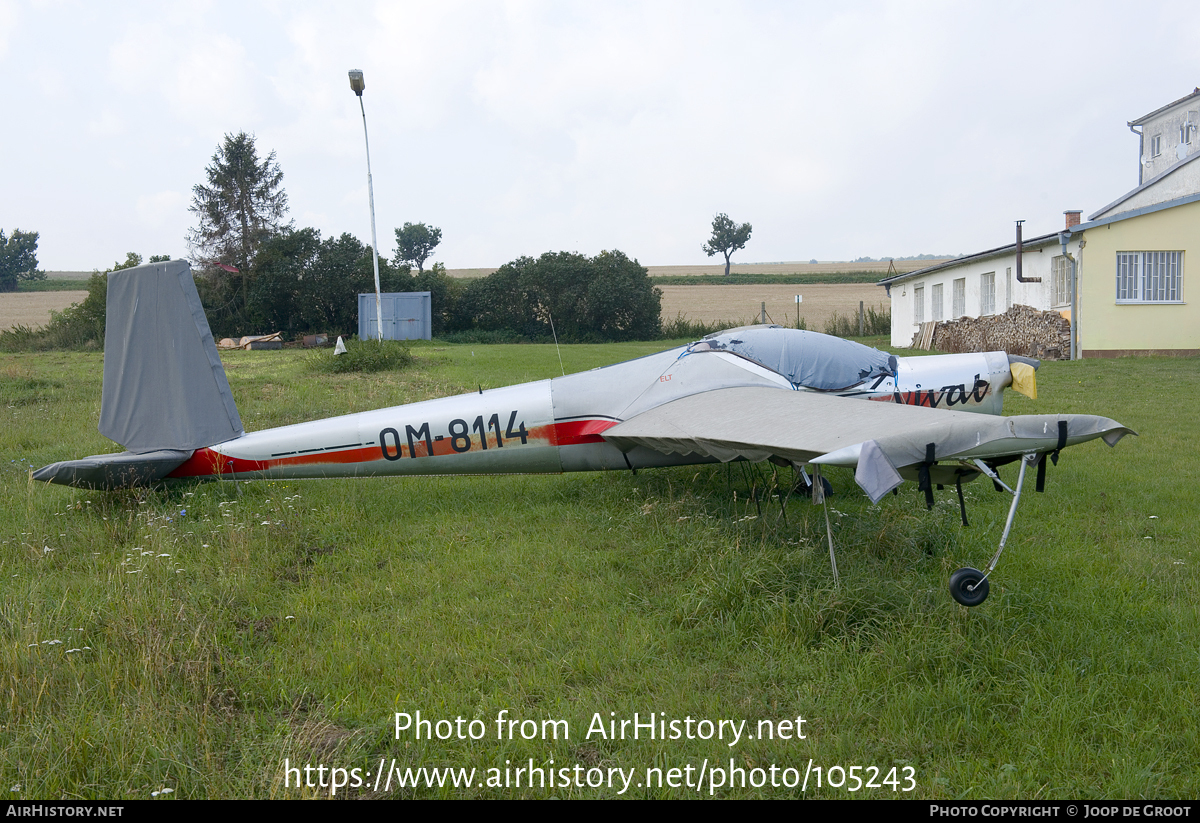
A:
{"x":806,"y":488}
{"x":968,"y":587}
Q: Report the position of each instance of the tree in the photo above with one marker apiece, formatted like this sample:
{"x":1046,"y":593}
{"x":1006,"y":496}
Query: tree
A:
{"x":281,"y":265}
{"x":727,"y":237}
{"x":414,"y":243}
{"x":18,"y":259}
{"x":302,"y":283}
{"x":329,"y":289}
{"x":622,"y":302}
{"x":606,"y":297}
{"x":242,"y":205}
{"x":132,"y":259}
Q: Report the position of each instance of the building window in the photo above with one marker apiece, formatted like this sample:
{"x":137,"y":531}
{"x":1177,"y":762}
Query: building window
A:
{"x":1156,"y":145}
{"x":1008,"y":289}
{"x":987,"y":294}
{"x":959,"y":298}
{"x":919,"y":304}
{"x":1060,"y":281}
{"x":1150,"y":277}
{"x":935,"y":300}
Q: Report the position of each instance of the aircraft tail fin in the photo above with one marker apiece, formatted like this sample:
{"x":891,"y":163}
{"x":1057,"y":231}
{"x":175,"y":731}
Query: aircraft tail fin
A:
{"x":164,"y":385}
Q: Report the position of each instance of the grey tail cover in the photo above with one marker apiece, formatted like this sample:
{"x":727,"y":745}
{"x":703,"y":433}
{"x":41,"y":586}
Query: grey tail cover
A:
{"x":164,"y":386}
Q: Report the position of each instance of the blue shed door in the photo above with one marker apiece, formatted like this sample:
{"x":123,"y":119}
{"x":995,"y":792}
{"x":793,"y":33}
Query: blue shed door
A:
{"x":406,"y":316}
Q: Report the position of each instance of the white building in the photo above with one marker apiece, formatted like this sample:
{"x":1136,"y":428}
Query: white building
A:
{"x":1167,"y":136}
{"x":985,"y":283}
{"x":989,"y":282}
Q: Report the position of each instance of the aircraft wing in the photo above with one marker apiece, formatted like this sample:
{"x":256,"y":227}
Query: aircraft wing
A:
{"x":884,"y":441}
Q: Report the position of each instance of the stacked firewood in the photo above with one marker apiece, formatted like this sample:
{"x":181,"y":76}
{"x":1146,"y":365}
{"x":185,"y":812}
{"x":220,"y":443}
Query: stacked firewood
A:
{"x":1020,"y":330}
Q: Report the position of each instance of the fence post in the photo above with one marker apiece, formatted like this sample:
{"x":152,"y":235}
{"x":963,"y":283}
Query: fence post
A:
{"x":860,"y":318}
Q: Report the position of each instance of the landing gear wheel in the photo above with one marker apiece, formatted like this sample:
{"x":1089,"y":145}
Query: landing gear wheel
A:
{"x":968,"y":586}
{"x":806,"y":488}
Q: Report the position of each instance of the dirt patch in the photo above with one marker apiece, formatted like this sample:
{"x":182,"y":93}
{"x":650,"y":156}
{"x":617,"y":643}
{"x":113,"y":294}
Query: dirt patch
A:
{"x":33,"y":309}
{"x":712,"y":304}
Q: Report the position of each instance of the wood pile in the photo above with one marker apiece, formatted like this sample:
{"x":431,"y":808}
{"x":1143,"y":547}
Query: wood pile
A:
{"x":253,"y":341}
{"x":1022,"y":330}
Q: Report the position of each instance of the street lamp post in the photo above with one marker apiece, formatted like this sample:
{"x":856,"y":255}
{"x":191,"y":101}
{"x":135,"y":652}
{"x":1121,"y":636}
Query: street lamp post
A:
{"x":357,"y":85}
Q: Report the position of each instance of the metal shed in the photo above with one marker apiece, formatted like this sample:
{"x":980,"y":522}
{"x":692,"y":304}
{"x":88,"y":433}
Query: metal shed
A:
{"x":406,"y":316}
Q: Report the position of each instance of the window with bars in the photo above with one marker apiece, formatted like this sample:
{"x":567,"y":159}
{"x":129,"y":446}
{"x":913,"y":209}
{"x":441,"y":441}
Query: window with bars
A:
{"x":1060,"y":281}
{"x":987,"y":294}
{"x":935,"y":300}
{"x":958,"y":299}
{"x":919,"y":304}
{"x":1150,"y":277}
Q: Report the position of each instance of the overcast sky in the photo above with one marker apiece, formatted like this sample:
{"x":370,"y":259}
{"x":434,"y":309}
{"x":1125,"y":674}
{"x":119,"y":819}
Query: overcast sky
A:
{"x":837,"y":129}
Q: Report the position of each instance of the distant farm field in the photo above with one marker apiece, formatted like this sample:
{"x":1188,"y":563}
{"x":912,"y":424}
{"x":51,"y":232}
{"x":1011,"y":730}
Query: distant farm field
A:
{"x":788,"y":268}
{"x":708,"y":304}
{"x":711,"y":304}
{"x":33,"y":309}
{"x":717,"y":270}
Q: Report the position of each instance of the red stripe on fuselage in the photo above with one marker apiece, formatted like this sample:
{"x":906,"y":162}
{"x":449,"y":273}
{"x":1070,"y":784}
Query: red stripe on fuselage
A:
{"x":575,"y":432}
{"x":208,"y":463}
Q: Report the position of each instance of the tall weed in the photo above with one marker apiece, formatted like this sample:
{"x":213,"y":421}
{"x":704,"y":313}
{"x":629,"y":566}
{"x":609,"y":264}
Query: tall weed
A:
{"x":875,"y":322}
{"x":363,"y":356}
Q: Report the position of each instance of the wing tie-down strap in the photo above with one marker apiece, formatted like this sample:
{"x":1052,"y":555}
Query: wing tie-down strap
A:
{"x":923,"y":482}
{"x":1062,"y":442}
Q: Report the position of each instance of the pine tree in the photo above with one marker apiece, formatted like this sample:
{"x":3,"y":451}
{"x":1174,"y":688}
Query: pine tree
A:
{"x":242,"y":205}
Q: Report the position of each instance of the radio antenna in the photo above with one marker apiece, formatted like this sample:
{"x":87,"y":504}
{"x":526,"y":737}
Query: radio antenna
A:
{"x":556,"y":348}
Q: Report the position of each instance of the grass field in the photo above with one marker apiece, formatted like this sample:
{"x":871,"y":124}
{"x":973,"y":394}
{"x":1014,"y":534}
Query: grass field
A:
{"x":199,"y":637}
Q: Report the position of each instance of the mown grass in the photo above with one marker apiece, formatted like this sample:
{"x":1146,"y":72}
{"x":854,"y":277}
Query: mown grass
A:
{"x":208,"y":632}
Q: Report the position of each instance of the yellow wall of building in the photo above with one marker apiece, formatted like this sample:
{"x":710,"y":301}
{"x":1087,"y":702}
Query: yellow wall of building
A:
{"x":1108,"y":328}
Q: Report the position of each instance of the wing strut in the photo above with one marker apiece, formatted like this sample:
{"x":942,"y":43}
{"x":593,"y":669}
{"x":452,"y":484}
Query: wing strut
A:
{"x":818,"y":493}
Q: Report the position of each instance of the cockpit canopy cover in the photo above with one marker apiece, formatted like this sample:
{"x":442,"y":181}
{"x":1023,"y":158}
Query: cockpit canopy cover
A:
{"x":815,"y":361}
